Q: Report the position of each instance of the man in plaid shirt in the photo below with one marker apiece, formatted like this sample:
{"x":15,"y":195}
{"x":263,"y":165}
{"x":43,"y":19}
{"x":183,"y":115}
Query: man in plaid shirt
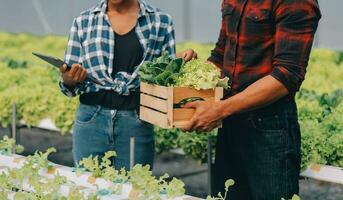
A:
{"x":264,"y":47}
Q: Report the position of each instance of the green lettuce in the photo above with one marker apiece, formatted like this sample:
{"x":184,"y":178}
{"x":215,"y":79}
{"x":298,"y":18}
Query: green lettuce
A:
{"x":201,"y":75}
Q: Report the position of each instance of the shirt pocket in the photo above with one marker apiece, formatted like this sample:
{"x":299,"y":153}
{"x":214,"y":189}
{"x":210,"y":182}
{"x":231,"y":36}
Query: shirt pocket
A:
{"x":227,"y":15}
{"x":258,"y":15}
{"x":227,"y":10}
{"x":259,"y":22}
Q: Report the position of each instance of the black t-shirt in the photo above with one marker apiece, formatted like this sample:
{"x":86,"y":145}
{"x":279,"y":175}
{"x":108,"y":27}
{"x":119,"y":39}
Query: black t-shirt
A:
{"x":128,"y":53}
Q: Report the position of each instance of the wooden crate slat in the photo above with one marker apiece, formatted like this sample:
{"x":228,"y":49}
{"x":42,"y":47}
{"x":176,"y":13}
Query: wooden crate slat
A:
{"x":170,"y":114}
{"x":155,"y":90}
{"x":180,"y":124}
{"x":154,"y":102}
{"x":219,"y":94}
{"x":154,"y":117}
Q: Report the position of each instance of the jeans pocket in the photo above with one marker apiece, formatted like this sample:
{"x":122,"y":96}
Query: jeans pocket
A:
{"x":270,"y":123}
{"x":272,"y":132}
{"x":87,"y":114}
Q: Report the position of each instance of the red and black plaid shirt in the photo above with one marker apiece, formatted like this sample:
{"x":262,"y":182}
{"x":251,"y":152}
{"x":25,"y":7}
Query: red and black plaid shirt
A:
{"x":264,"y":37}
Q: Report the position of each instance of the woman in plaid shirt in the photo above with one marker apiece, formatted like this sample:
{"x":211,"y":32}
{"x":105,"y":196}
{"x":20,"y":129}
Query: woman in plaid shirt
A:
{"x":109,"y":42}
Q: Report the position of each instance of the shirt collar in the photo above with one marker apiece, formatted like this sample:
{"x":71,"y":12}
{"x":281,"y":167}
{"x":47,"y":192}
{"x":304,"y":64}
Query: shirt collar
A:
{"x":144,"y":8}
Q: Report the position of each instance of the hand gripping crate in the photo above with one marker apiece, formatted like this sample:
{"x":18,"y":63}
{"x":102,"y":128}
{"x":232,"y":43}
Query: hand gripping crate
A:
{"x":160,"y":105}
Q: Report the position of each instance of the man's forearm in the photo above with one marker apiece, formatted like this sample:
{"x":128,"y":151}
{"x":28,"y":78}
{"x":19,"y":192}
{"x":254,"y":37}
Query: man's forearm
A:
{"x":261,"y":93}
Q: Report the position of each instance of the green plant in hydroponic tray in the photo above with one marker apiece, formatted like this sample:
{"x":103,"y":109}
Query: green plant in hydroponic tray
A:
{"x":149,"y":187}
{"x":15,"y":181}
{"x":175,"y":188}
{"x":104,"y":168}
{"x":7,"y":144}
{"x":229,"y":183}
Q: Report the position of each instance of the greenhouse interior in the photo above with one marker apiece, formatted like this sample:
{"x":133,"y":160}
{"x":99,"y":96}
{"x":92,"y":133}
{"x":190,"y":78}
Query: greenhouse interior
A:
{"x":171,"y":100}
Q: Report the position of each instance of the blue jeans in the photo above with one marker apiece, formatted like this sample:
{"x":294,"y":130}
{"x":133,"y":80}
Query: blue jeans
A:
{"x":98,"y":130}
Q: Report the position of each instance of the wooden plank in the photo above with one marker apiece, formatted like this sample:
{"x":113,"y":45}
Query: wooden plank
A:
{"x":155,"y":90}
{"x":154,"y":117}
{"x":154,"y":102}
{"x":170,"y":114}
{"x":180,"y":124}
{"x":219,"y":94}
{"x":181,"y":93}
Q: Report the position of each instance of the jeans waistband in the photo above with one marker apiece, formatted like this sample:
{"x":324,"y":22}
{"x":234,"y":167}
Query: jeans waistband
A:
{"x":281,"y":108}
{"x":105,"y":110}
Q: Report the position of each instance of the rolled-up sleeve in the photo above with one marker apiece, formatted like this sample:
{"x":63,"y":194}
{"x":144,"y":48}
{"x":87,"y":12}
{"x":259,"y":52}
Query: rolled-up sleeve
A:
{"x":217,"y":54}
{"x":296,"y":24}
{"x":73,"y":55}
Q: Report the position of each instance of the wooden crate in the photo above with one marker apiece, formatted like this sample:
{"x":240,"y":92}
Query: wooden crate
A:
{"x":157,"y":104}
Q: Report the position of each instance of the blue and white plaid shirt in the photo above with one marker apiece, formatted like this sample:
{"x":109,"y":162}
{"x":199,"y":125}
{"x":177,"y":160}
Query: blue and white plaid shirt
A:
{"x":91,"y":43}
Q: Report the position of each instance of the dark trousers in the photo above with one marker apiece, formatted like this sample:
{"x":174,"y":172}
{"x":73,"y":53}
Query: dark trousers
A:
{"x":260,"y":151}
